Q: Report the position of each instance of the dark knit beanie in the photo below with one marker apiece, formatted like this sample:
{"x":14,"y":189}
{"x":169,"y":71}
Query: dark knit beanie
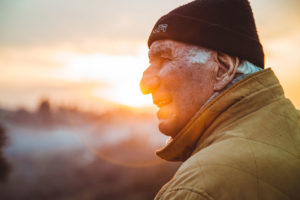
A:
{"x":224,"y":25}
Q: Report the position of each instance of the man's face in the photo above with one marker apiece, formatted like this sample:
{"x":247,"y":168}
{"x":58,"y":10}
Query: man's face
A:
{"x":181,"y":79}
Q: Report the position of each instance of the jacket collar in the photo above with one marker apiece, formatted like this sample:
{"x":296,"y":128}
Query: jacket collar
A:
{"x":242,"y":98}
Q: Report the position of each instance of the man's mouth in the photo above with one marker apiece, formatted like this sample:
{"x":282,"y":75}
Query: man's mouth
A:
{"x":161,"y":102}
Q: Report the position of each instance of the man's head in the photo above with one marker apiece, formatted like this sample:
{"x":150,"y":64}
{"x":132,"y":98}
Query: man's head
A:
{"x":181,"y":78}
{"x":227,"y":26}
{"x":189,"y":56}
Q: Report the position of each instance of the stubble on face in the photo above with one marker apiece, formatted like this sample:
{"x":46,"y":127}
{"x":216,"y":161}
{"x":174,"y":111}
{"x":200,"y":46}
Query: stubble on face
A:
{"x":186,"y":82}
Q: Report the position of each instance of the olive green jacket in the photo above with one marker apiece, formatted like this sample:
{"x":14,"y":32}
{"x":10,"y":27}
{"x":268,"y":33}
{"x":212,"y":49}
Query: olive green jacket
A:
{"x":244,"y":145}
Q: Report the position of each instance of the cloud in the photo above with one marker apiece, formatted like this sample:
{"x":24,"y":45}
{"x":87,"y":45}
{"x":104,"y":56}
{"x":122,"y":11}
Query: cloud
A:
{"x":34,"y":21}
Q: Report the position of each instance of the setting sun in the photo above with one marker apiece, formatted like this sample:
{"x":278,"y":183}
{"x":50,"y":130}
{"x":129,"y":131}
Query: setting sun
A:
{"x":118,"y":75}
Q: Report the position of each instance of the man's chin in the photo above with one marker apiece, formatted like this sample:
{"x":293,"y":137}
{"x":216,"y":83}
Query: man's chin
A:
{"x":168,"y":127}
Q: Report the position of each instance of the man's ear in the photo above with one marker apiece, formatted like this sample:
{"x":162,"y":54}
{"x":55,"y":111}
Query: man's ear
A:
{"x":225,"y":70}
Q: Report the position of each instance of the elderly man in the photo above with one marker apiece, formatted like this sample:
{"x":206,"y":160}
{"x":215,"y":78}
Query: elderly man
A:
{"x":226,"y":115}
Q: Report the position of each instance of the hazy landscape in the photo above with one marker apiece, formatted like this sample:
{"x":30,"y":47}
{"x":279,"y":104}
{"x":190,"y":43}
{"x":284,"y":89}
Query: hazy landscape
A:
{"x":64,"y":153}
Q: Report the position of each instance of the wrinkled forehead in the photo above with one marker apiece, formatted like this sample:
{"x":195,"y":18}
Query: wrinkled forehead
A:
{"x":167,"y":47}
{"x":172,"y":48}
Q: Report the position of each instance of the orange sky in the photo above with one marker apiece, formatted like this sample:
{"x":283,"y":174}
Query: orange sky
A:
{"x":92,"y":53}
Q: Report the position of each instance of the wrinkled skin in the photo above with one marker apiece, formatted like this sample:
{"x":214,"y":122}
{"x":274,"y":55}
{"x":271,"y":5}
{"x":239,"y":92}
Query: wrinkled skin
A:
{"x":181,"y":78}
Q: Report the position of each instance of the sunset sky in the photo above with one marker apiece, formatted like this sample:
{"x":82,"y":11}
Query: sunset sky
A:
{"x":92,"y":53}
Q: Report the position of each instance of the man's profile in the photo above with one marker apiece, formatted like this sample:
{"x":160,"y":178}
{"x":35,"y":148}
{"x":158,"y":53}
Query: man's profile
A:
{"x":226,"y":115}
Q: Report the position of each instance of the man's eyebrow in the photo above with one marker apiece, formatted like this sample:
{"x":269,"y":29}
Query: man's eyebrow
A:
{"x":158,"y":51}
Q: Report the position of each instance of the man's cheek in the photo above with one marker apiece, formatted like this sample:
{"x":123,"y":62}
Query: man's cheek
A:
{"x":172,"y":76}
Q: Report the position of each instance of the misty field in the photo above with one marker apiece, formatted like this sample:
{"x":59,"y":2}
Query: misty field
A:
{"x":70,"y":154}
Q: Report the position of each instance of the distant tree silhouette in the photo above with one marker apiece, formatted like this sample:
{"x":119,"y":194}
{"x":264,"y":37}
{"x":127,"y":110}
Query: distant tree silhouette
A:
{"x":4,"y":166}
{"x":44,"y":107}
{"x":45,"y":113}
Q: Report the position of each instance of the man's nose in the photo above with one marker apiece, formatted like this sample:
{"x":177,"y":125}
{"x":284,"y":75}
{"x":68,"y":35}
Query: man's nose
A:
{"x":149,"y":82}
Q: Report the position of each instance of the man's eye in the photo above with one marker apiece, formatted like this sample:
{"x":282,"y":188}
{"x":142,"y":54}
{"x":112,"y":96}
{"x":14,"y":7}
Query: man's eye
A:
{"x":165,"y":59}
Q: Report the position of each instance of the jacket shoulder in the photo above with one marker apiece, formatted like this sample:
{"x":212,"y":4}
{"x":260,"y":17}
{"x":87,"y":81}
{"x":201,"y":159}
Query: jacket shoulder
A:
{"x":180,"y":193}
{"x":230,"y":169}
{"x":208,"y":175}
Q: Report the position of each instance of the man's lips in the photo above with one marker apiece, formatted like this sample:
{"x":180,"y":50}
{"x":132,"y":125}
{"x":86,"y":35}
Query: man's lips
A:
{"x":161,"y":102}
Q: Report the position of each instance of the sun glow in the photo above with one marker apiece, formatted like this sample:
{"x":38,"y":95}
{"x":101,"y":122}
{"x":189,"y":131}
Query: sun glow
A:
{"x":118,"y":75}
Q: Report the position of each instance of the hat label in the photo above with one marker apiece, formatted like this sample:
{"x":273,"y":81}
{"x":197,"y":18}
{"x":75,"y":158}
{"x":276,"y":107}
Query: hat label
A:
{"x":161,"y":28}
